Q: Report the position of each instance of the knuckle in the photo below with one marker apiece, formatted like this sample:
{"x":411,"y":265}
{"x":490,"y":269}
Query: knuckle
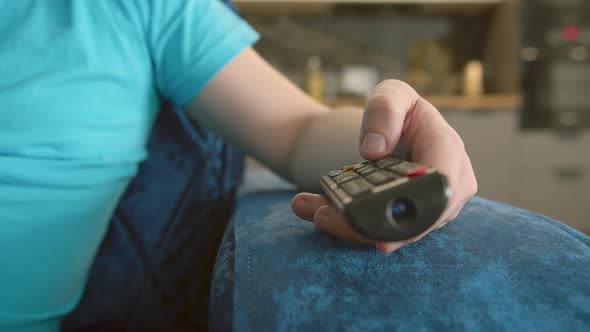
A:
{"x":396,"y":84}
{"x":471,"y":183}
{"x":381,"y":102}
{"x":474,"y":187}
{"x":387,"y":83}
{"x":458,"y":141}
{"x":392,"y":97}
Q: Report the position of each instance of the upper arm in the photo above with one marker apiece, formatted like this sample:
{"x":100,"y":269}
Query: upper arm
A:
{"x":202,"y":62}
{"x":189,"y":41}
{"x":253,"y":106}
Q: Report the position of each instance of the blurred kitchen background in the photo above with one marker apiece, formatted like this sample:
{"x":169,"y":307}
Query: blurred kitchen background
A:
{"x":512,"y":77}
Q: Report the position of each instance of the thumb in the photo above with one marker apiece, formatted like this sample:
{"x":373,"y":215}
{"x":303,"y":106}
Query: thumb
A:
{"x":384,"y":117}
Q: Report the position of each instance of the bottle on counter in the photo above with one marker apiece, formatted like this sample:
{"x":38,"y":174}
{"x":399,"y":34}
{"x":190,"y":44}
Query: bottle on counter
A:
{"x":473,"y":79}
{"x":314,"y":82}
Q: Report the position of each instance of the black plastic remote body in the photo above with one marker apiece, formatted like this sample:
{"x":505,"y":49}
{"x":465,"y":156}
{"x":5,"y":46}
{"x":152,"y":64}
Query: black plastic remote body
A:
{"x":389,"y":199}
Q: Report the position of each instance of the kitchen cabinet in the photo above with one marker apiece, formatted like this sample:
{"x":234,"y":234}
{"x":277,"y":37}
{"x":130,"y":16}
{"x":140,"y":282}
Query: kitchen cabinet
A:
{"x":542,"y":171}
{"x":489,"y":140}
{"x":552,"y":175}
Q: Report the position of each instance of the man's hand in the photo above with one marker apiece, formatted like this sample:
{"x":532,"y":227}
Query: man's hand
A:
{"x":396,"y":117}
{"x":251,"y":105}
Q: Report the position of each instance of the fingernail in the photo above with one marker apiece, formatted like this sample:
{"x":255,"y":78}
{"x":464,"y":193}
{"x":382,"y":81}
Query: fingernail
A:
{"x":373,"y":143}
{"x":321,"y":217}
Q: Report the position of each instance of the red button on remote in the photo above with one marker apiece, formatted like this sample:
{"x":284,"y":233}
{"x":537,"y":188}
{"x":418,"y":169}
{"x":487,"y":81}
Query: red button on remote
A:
{"x":418,"y":171}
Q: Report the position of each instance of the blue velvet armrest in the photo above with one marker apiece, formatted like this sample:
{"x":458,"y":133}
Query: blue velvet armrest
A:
{"x":494,"y":268}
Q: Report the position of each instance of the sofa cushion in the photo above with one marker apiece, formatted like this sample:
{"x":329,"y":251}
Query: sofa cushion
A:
{"x":493,"y":268}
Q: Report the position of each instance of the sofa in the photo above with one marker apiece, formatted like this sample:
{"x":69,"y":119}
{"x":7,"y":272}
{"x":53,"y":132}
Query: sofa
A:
{"x":170,"y":262}
{"x":180,"y":256}
{"x":494,"y":268}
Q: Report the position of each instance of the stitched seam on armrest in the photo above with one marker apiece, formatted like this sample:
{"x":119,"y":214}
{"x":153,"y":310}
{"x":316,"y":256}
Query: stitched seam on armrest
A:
{"x":248,"y":274}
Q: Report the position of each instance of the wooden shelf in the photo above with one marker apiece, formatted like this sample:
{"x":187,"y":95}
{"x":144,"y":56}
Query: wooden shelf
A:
{"x":434,"y":2}
{"x":504,"y":102}
{"x":508,"y":102}
{"x":272,"y":7}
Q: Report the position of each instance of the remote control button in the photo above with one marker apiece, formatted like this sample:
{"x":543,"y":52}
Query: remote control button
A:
{"x":388,"y":162}
{"x":328,"y":181}
{"x":418,"y":171}
{"x":368,"y":169}
{"x":356,"y":187}
{"x":345,"y":177}
{"x":381,"y":176}
{"x":342,"y":196}
{"x":334,"y":173}
{"x":358,"y":166}
{"x":361,"y":164}
{"x":403,"y":167}
{"x":347,"y":168}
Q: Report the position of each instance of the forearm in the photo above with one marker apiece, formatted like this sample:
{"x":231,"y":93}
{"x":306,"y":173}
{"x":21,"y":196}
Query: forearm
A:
{"x":328,"y":141}
{"x":253,"y":106}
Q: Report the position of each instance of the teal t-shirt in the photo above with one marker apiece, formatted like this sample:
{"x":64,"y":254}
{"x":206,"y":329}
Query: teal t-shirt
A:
{"x":80,"y":86}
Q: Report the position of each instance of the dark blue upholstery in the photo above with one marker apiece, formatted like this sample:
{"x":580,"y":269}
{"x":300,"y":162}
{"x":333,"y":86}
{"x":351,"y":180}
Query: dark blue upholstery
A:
{"x":494,"y":268}
{"x":153,"y":269}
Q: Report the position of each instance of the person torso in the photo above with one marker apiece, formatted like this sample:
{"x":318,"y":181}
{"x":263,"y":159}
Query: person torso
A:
{"x":77,"y":101}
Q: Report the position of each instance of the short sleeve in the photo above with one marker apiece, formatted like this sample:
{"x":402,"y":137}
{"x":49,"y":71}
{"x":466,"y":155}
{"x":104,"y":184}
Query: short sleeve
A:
{"x":190,"y":41}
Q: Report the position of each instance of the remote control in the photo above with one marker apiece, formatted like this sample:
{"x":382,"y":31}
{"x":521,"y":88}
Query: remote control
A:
{"x":388,"y":199}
